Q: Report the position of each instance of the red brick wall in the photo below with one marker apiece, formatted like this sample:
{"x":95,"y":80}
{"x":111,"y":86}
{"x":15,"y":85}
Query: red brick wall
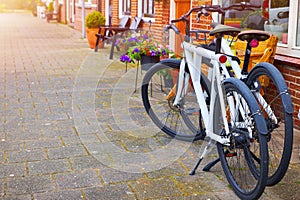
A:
{"x":291,"y":73}
{"x":78,"y":20}
{"x":162,"y":18}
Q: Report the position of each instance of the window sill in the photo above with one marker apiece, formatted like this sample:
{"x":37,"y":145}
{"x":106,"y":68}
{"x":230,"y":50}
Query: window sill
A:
{"x":86,"y":5}
{"x":282,"y":59}
{"x":148,"y":19}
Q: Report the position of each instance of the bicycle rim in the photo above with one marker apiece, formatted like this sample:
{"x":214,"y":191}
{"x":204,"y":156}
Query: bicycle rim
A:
{"x":179,"y":122}
{"x":246,"y":179}
{"x":263,"y":83}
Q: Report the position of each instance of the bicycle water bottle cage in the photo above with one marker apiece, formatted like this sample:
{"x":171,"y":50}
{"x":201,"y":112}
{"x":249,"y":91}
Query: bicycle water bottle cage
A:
{"x":220,"y":30}
{"x":254,"y":35}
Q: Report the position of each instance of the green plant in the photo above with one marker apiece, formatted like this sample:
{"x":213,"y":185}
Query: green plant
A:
{"x":50,"y":7}
{"x":139,"y":44}
{"x":94,"y":19}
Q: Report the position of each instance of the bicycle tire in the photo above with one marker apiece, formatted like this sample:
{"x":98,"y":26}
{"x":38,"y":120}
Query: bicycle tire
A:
{"x":181,"y":123}
{"x":246,"y":179}
{"x":267,"y":78}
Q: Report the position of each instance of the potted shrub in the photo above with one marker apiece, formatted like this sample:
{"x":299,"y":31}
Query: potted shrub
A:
{"x":93,"y":21}
{"x":50,"y":10}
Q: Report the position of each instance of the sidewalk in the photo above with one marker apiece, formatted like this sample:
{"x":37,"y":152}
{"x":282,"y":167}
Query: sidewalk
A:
{"x":71,"y":128}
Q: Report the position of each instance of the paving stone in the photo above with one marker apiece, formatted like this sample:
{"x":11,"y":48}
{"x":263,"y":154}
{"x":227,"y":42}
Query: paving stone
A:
{"x":66,"y":152}
{"x":76,"y":180}
{"x":66,"y":195}
{"x":89,"y":138}
{"x":109,"y":192}
{"x":155,"y":188}
{"x":17,"y":197}
{"x":11,"y":145}
{"x":71,"y":140}
{"x":43,"y":143}
{"x":86,"y":162}
{"x":31,"y":184}
{"x":48,"y":167}
{"x":1,"y":157}
{"x":26,"y":156}
{"x":170,"y":169}
{"x":12,"y":170}
{"x":110,"y":175}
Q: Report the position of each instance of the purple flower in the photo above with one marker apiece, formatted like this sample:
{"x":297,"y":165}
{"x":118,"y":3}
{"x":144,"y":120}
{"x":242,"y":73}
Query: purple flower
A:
{"x":136,"y":50}
{"x":145,"y":37}
{"x":164,"y":52}
{"x":133,"y":39}
{"x":153,"y":53}
{"x":125,"y":58}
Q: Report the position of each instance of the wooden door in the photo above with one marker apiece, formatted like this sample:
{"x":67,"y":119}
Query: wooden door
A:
{"x":182,"y":6}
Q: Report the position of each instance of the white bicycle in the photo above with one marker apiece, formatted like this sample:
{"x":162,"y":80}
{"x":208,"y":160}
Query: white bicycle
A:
{"x":193,"y":110}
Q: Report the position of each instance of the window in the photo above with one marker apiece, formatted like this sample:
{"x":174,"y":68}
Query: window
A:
{"x":280,"y":17}
{"x":125,"y":7}
{"x":298,"y":27}
{"x":148,"y":8}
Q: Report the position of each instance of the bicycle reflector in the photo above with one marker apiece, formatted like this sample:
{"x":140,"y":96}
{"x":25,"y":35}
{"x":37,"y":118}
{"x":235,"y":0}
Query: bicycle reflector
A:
{"x":254,"y":43}
{"x":222,"y":59}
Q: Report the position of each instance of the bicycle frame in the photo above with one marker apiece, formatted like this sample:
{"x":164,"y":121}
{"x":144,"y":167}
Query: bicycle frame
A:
{"x":193,"y":56}
{"x":238,"y":73}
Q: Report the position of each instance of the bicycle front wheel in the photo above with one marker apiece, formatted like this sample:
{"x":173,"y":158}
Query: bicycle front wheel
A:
{"x":270,"y":90}
{"x":159,"y":87}
{"x":246,"y":179}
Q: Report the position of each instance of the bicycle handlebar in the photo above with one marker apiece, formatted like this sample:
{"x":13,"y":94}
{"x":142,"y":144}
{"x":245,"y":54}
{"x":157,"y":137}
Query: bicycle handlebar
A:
{"x":204,"y":9}
{"x":173,"y":27}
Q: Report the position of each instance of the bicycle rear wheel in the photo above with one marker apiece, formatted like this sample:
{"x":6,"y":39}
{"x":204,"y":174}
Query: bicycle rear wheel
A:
{"x":246,"y":179}
{"x":183,"y":122}
{"x":267,"y":83}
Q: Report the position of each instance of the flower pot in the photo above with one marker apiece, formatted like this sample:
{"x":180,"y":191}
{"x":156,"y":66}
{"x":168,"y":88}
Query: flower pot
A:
{"x":91,"y":37}
{"x":148,"y":61}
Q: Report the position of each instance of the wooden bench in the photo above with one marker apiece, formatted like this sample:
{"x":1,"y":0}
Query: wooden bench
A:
{"x":107,"y":32}
{"x":114,"y":32}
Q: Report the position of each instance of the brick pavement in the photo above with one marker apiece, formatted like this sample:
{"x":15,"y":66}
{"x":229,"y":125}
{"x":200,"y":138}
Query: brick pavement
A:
{"x":71,"y":128}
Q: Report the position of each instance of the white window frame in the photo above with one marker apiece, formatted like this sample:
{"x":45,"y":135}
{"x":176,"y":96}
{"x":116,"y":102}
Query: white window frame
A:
{"x":120,"y":8}
{"x":290,"y":49}
{"x":87,"y":4}
{"x":140,"y":14}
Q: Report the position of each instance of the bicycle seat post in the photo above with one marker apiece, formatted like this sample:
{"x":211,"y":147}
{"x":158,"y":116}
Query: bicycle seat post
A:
{"x":246,"y":58}
{"x":252,"y":37}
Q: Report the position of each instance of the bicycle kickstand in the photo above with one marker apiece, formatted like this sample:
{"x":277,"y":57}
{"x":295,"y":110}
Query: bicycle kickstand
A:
{"x":206,"y":150}
{"x":212,"y":163}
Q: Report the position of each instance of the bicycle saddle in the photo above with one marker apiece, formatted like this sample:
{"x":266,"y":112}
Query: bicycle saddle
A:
{"x":254,"y":34}
{"x":221,"y":30}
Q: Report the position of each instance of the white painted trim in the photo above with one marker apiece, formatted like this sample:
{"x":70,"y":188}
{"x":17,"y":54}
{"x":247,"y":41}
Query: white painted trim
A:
{"x":106,"y":11}
{"x":172,"y":16}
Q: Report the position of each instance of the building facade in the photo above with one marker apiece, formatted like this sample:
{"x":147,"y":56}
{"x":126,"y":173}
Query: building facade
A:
{"x":280,"y":17}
